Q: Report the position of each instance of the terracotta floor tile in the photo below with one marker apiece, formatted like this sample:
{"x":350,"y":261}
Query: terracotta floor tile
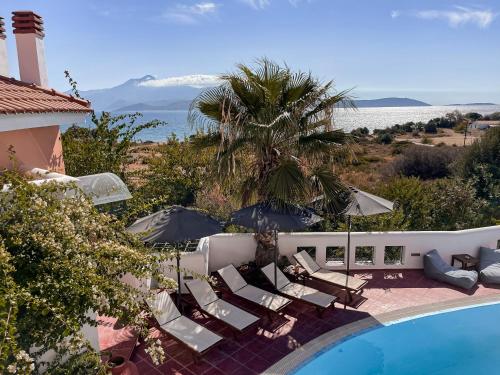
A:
{"x":228,"y":366}
{"x":254,"y":351}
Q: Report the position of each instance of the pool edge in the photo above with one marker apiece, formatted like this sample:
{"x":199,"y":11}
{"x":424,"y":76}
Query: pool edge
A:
{"x":311,"y":348}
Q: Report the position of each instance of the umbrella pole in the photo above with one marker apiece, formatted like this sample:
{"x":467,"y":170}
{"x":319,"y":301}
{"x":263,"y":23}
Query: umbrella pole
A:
{"x":276,"y":259}
{"x":348,"y":297}
{"x":178,"y":256}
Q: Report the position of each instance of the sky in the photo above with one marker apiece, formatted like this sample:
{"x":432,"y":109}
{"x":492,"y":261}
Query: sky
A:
{"x":437,"y":51}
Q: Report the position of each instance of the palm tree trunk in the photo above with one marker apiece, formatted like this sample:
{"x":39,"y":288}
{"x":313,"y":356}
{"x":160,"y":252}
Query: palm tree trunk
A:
{"x":264,"y":253}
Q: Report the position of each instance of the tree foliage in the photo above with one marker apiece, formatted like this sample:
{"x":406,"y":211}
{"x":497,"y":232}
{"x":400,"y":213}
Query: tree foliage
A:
{"x":104,"y":146}
{"x":274,"y":130}
{"x":443,"y":204}
{"x":480,"y":165}
{"x":63,"y":260}
{"x":172,"y":174}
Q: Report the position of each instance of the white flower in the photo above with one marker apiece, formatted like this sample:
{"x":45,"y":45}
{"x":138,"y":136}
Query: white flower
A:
{"x":12,"y":368}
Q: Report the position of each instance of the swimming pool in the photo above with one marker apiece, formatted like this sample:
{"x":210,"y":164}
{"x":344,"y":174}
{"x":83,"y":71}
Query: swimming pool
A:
{"x":463,"y":341}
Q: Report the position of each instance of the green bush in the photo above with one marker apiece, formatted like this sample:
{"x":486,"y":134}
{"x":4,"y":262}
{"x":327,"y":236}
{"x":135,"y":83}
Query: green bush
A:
{"x":86,"y":363}
{"x":384,"y":138}
{"x":63,"y":259}
{"x":444,"y":204}
{"x":480,"y":165}
{"x":104,"y":146}
{"x":425,"y":162}
{"x":360,"y":132}
{"x":174,"y":174}
{"x":430,"y":128}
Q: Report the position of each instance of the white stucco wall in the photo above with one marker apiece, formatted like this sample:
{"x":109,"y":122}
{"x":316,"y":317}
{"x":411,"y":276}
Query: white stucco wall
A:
{"x":240,"y":248}
{"x":217,"y":251}
{"x":196,"y":261}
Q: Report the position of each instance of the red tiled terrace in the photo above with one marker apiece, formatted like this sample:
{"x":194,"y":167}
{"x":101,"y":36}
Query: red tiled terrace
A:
{"x":252,"y":353}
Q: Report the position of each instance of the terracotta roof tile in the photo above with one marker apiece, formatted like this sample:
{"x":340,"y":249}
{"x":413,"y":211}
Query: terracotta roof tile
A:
{"x":20,"y":97}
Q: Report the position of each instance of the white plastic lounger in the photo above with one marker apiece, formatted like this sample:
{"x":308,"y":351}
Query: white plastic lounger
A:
{"x":192,"y":335}
{"x":298,"y":291}
{"x":239,"y":286}
{"x":212,"y":305}
{"x":335,"y":278}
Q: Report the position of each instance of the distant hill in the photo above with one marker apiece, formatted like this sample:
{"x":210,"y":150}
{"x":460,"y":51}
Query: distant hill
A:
{"x":390,"y":102}
{"x":137,"y":95}
{"x":463,"y":104}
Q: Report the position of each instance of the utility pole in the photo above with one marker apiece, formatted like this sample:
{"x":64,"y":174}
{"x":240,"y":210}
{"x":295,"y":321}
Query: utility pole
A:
{"x":465,"y":132}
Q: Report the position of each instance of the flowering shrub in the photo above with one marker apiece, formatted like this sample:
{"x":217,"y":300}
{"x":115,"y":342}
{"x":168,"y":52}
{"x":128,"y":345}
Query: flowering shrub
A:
{"x":62,"y":259}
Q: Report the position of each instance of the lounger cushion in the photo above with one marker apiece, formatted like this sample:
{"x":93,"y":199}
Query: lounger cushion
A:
{"x":281,"y":279}
{"x":195,"y":336}
{"x":202,"y":292}
{"x":163,"y":308}
{"x":310,"y":295}
{"x":339,"y":279}
{"x":436,"y":268}
{"x":264,"y":298}
{"x":307,"y":262}
{"x":232,"y":278}
{"x":230,"y":314}
{"x":489,"y":265}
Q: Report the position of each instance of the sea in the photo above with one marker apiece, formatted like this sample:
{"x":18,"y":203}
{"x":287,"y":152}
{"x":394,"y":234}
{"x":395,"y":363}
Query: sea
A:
{"x":347,"y":119}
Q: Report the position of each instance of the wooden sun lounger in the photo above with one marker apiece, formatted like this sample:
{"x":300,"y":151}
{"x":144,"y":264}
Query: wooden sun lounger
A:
{"x":299,"y":292}
{"x":209,"y":303}
{"x":238,"y":286}
{"x":335,"y":278}
{"x":193,"y":336}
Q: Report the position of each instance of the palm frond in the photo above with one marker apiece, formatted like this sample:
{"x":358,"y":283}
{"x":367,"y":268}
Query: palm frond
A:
{"x":325,"y":182}
{"x":286,"y":182}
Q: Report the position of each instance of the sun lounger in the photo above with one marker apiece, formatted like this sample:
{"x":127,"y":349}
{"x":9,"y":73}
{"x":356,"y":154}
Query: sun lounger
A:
{"x":208,"y":302}
{"x":298,"y":292}
{"x":195,"y":337}
{"x":436,"y":268}
{"x":238,"y":286}
{"x":331,"y":277}
{"x":489,"y":265}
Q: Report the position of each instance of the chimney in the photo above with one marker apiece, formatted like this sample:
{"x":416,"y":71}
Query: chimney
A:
{"x":28,"y":29}
{"x":4,"y":63}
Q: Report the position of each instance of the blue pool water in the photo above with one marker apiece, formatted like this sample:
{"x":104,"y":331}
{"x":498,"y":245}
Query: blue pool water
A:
{"x":457,"y":342}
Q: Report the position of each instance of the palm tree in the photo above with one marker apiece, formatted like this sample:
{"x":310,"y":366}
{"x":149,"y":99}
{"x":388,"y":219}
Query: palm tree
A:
{"x":276,"y":125}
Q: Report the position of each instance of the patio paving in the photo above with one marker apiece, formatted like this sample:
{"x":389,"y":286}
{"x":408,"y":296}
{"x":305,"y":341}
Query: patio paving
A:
{"x":255,"y":351}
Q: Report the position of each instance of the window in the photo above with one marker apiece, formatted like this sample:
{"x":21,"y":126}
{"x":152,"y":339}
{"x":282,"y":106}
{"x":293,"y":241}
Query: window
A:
{"x":335,"y":254}
{"x":311,"y":250}
{"x":498,"y":244}
{"x":365,"y":255}
{"x":394,"y":254}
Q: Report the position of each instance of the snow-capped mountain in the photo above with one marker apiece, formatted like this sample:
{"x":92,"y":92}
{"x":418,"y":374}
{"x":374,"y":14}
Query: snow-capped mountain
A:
{"x":148,"y":89}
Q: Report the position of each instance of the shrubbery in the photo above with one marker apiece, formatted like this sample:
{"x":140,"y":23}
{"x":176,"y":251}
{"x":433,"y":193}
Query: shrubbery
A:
{"x":104,"y":146}
{"x":61,"y":260}
{"x":480,"y":165}
{"x":425,"y":162}
{"x":431,"y":128}
{"x":360,"y":132}
{"x":444,"y":204}
{"x":384,"y":138}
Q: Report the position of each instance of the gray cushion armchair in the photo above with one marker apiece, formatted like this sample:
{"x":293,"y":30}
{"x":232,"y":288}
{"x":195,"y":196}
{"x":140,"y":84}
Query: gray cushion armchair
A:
{"x":436,"y":268}
{"x":489,"y":265}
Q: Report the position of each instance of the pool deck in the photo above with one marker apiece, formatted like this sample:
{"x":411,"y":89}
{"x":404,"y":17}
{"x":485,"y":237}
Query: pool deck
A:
{"x":299,"y":332}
